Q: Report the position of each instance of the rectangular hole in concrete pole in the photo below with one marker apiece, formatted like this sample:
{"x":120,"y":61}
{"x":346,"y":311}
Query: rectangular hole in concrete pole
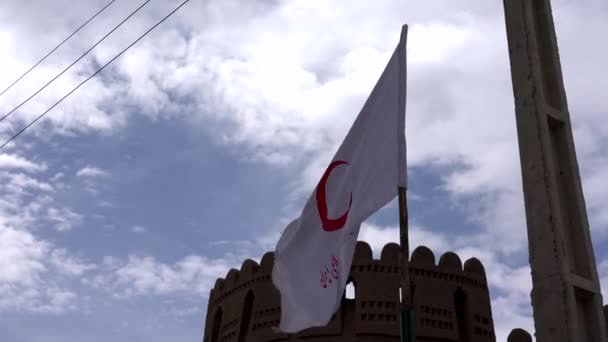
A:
{"x":549,"y":66}
{"x":569,"y":205}
{"x":588,"y":327}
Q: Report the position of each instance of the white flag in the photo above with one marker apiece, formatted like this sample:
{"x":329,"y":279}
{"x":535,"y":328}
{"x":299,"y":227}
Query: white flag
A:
{"x":314,"y":254}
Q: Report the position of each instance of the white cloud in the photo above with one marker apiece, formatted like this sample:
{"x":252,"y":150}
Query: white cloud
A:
{"x":68,"y":264}
{"x":594,"y":180}
{"x":91,"y":171}
{"x":30,"y":269}
{"x":511,"y":311}
{"x":60,"y":300}
{"x":187,"y":311}
{"x":43,"y":300}
{"x":22,"y":199}
{"x":232,"y":243}
{"x":138,"y":229}
{"x":377,"y":237}
{"x":144,"y":275}
{"x":21,"y":257}
{"x":58,"y":176}
{"x":104,"y":204}
{"x":64,"y":218}
{"x":15,"y":162}
{"x":109,"y":226}
{"x":283,"y":93}
{"x":91,"y":176}
{"x":34,"y":270}
{"x":20,"y":183}
{"x":190,"y":277}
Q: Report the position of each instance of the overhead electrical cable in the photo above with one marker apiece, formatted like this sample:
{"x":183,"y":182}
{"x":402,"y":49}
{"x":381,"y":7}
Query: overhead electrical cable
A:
{"x":58,"y":46}
{"x":93,"y":75}
{"x":76,"y":61}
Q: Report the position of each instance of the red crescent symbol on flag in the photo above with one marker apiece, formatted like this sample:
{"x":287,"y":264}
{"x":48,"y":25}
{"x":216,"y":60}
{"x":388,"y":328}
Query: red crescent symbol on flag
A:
{"x":330,"y":225}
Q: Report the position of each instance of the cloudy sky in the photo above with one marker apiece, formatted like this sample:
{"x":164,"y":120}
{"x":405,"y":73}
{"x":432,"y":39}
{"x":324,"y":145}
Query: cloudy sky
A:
{"x":193,"y":150}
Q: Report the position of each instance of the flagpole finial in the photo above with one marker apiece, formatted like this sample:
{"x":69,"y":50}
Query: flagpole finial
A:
{"x":404,"y":29}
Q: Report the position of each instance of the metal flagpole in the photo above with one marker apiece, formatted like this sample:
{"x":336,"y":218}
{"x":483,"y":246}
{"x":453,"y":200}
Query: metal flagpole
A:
{"x":406,"y":308}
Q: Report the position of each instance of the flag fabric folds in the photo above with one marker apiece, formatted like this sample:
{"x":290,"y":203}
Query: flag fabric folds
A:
{"x":314,"y":254}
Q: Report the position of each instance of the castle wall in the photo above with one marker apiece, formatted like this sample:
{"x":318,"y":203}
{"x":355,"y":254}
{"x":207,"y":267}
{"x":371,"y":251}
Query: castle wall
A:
{"x":451,"y":302}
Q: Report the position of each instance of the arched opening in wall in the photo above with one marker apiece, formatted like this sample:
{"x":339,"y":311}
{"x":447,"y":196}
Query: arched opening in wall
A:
{"x":217,"y":322}
{"x":350,"y":291}
{"x":246,"y":316}
{"x":460,"y":305}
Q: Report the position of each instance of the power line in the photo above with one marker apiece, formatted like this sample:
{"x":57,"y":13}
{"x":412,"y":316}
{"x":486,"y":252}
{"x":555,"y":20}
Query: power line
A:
{"x":76,"y":61}
{"x":57,"y":47}
{"x":93,"y":75}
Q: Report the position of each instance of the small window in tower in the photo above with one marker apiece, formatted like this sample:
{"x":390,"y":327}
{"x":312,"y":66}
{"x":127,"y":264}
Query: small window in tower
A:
{"x":350,"y":290}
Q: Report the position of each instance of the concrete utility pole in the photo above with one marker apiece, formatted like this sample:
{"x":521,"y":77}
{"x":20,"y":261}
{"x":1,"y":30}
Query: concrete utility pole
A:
{"x":566,"y":294}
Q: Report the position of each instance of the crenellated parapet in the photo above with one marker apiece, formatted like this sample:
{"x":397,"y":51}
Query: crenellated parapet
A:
{"x":449,"y":268}
{"x":450,"y":300}
{"x":229,"y":296}
{"x":239,"y":280}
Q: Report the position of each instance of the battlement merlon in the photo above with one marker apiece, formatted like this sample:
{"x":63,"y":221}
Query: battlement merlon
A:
{"x":421,"y":258}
